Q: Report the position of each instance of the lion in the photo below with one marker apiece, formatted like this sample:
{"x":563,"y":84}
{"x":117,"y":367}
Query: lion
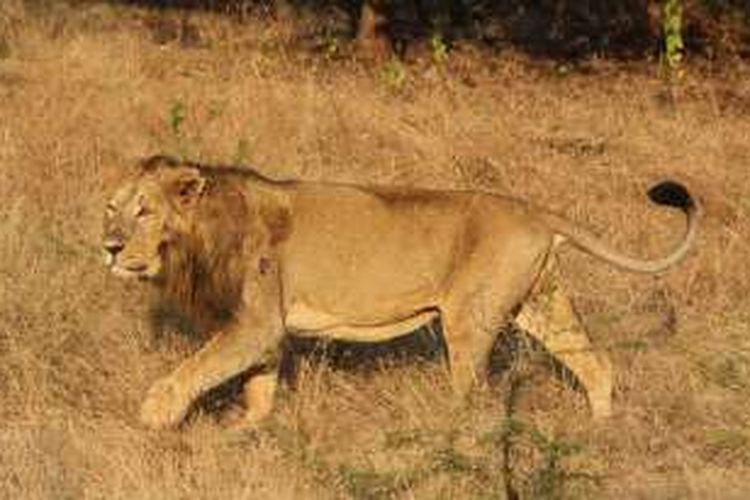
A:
{"x":261,"y":259}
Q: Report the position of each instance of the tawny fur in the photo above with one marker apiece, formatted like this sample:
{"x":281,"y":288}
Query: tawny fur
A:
{"x":356,"y":263}
{"x":204,"y":266}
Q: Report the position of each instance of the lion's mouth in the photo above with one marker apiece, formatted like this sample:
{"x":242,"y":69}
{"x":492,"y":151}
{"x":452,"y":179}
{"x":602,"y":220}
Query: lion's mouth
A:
{"x":130,"y":271}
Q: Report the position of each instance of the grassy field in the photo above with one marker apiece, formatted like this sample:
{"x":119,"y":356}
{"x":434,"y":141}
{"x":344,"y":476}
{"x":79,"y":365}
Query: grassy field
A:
{"x":86,"y":92}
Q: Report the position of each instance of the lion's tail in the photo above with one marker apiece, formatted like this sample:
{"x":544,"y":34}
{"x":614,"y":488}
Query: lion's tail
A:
{"x":668,"y":193}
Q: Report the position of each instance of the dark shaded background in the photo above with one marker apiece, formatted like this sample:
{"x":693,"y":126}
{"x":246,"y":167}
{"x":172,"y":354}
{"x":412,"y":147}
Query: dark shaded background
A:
{"x":549,"y":28}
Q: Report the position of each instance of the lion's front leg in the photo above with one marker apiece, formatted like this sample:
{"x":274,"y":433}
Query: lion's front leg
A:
{"x":229,"y":353}
{"x":259,"y":395}
{"x":253,"y":339}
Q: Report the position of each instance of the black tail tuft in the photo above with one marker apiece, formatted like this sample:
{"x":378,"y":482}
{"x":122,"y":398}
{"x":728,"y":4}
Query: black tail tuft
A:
{"x":672,"y":194}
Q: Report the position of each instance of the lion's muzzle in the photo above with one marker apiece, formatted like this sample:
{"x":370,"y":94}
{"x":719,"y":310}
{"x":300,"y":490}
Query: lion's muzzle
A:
{"x":113,"y":247}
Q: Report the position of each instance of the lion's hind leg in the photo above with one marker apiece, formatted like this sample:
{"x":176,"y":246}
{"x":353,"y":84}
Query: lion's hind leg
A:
{"x":548,"y":316}
{"x":494,"y":275}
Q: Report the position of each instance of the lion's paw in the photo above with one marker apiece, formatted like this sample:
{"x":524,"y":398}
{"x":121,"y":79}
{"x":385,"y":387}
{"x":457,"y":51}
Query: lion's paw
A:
{"x":166,"y":405}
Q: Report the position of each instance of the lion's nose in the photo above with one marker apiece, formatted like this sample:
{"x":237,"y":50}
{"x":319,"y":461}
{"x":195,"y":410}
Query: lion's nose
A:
{"x":114,"y":246}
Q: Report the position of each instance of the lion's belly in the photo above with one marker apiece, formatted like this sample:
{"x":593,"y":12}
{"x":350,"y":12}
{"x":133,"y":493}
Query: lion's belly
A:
{"x":302,"y":320}
{"x":357,"y":312}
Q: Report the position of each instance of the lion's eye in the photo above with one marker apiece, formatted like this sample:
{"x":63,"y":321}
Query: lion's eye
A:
{"x":111,"y":210}
{"x":143,"y":212}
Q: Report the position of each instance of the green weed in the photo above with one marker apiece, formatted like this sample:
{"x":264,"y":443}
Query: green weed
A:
{"x":177,"y":112}
{"x":438,"y":49}
{"x":394,"y":74}
{"x":550,"y":476}
{"x":672,"y":26}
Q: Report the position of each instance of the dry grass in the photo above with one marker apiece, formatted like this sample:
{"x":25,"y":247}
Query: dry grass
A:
{"x":84,"y":93}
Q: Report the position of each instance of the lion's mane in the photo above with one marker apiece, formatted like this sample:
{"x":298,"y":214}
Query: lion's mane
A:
{"x":203,"y":264}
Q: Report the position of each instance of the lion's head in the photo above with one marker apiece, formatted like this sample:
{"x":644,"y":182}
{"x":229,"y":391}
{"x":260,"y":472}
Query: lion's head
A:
{"x":147,"y":214}
{"x":181,"y":227}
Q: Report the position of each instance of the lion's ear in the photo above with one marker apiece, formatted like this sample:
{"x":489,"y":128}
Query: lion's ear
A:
{"x":186,"y":186}
{"x":157,"y":162}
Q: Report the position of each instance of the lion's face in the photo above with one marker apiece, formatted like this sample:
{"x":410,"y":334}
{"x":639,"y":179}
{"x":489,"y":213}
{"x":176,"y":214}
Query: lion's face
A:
{"x":142,"y":219}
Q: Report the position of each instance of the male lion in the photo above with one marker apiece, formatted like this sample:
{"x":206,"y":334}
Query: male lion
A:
{"x":264,"y":259}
